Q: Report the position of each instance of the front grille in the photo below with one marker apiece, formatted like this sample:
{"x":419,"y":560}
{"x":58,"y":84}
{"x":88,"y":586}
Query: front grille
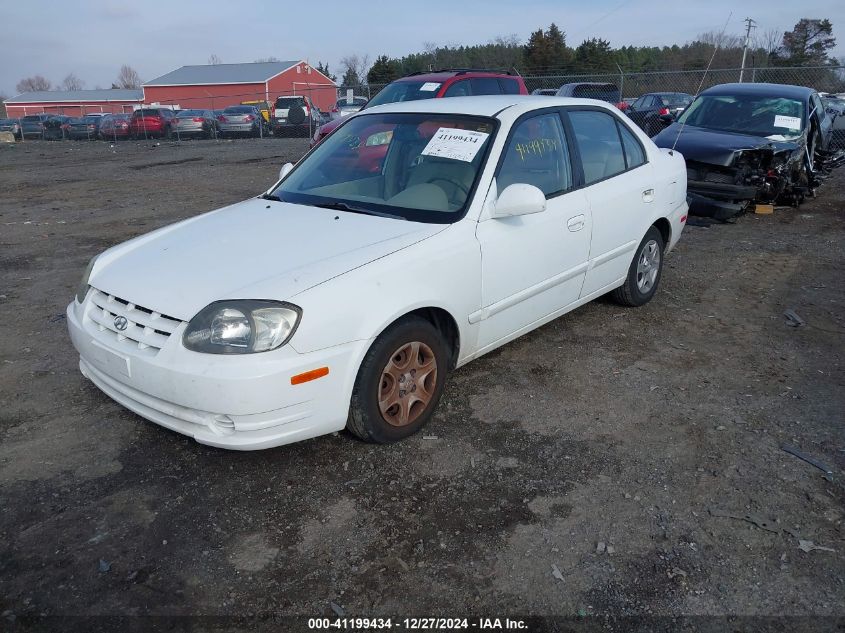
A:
{"x":146,"y":331}
{"x":717,"y":176}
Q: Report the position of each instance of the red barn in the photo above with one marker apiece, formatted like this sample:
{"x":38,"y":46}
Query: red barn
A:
{"x":215,"y":86}
{"x":73,"y":102}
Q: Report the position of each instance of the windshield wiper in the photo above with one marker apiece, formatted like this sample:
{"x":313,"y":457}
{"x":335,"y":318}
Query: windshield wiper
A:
{"x":270,"y":196}
{"x":342,"y":206}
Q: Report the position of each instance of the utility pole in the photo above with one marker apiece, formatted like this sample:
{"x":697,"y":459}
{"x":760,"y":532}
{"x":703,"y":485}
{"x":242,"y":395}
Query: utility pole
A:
{"x":750,"y":24}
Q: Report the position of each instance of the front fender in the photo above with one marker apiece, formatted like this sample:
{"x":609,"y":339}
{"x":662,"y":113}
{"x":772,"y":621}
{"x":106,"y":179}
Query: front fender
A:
{"x":443,"y":271}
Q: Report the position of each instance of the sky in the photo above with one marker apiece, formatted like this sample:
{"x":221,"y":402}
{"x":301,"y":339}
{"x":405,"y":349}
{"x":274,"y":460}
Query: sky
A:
{"x":93,"y":38}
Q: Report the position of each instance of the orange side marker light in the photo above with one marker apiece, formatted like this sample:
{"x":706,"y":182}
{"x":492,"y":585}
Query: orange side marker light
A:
{"x":309,"y":375}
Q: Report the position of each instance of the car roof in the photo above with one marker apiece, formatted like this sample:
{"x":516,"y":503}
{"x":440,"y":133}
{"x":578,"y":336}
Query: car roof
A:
{"x":590,"y":83}
{"x":442,"y":75}
{"x":488,"y":105}
{"x":775,"y":90}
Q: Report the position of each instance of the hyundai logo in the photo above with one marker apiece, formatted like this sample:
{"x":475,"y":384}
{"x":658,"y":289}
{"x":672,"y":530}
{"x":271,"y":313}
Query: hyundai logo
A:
{"x":121,"y":323}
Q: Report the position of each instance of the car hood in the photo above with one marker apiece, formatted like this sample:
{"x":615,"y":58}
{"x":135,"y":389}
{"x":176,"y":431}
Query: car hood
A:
{"x":715,"y":147}
{"x":257,"y":249}
{"x":331,"y":126}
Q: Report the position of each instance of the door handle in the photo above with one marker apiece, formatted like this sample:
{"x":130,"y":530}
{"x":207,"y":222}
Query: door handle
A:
{"x":576,"y":223}
{"x":648,"y":195}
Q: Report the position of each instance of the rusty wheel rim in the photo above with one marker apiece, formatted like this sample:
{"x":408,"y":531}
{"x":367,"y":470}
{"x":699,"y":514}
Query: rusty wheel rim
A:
{"x":407,"y":383}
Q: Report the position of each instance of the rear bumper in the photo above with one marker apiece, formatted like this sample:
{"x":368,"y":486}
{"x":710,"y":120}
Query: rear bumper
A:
{"x":238,"y":127}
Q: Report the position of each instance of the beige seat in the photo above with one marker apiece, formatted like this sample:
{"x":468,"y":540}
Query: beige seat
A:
{"x":599,"y":159}
{"x":454,"y":177}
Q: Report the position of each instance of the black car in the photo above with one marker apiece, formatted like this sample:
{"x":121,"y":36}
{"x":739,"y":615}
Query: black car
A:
{"x":655,"y":110}
{"x":295,"y":116}
{"x":591,"y":90}
{"x":747,"y":143}
{"x":85,"y":127}
{"x":56,"y":127}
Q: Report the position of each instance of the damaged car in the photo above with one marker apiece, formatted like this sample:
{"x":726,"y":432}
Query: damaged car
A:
{"x":751,"y":143}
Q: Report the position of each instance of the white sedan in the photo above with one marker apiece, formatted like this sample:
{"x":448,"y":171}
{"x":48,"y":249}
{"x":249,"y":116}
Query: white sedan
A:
{"x":415,"y":238}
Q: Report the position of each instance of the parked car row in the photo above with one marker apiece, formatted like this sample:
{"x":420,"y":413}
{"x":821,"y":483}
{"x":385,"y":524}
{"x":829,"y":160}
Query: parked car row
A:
{"x":248,"y":119}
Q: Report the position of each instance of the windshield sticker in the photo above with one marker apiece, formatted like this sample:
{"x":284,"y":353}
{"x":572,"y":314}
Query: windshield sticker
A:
{"x":429,"y":86}
{"x":789,"y":122}
{"x":449,"y":142}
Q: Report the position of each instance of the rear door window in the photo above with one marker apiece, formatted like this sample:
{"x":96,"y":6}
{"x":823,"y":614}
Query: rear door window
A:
{"x":485,"y":86}
{"x":509,"y":86}
{"x":597,"y":136}
{"x":634,"y":153}
{"x":458,"y":89}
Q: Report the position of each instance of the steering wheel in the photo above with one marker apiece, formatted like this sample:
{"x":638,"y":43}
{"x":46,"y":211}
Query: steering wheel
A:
{"x":453,"y":183}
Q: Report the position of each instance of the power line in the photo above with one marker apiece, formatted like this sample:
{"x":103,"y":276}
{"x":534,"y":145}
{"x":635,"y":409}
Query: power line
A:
{"x":749,"y":24}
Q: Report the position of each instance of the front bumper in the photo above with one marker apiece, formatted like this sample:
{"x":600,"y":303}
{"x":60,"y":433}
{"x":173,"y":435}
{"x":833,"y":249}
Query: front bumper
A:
{"x":242,"y":402}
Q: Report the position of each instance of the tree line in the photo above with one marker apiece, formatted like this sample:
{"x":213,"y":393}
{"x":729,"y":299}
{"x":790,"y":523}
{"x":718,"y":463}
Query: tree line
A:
{"x":547,"y":52}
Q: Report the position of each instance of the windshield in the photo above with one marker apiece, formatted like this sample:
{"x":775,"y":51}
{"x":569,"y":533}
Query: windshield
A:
{"x":405,"y":91}
{"x":746,"y":114}
{"x":356,"y":102}
{"x":420,"y":167}
{"x":239,"y":110}
{"x":190,"y":113}
{"x":675,"y":100}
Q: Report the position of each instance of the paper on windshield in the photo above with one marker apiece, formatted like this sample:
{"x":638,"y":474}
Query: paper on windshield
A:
{"x":789,"y":122}
{"x":429,"y":86}
{"x":449,"y":142}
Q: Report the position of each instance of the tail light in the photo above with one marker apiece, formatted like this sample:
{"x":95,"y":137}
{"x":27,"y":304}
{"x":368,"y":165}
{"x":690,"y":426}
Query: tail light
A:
{"x":198,"y":119}
{"x":249,"y":117}
{"x":307,"y":110}
{"x":663,"y":111}
{"x":221,"y":118}
{"x":335,"y":109}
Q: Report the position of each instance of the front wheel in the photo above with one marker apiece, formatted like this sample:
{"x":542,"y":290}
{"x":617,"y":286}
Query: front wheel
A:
{"x":644,"y":272}
{"x":399,"y":382}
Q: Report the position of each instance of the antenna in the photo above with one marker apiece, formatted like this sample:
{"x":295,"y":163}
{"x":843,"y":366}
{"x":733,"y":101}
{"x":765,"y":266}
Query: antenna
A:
{"x":706,"y":70}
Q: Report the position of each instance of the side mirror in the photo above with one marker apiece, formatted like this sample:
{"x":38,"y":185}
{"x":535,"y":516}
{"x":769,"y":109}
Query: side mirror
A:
{"x":519,"y":199}
{"x":285,"y":170}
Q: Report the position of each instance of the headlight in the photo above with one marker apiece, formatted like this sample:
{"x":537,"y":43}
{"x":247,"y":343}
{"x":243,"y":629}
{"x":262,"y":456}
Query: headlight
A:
{"x":241,"y":327}
{"x":82,"y":290}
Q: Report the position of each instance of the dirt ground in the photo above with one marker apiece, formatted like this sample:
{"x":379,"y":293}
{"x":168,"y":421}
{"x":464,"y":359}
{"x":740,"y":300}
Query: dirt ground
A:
{"x":616,"y":462}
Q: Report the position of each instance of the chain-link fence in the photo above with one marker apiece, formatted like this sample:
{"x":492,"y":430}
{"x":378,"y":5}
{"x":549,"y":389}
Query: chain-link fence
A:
{"x":300,"y":111}
{"x":633,"y":84}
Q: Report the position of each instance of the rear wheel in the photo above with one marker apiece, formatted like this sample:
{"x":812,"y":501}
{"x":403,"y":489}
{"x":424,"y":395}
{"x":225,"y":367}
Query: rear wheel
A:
{"x":644,"y":272}
{"x":399,"y":383}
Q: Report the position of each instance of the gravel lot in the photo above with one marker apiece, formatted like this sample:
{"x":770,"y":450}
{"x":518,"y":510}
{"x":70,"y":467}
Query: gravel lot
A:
{"x":587,"y":468}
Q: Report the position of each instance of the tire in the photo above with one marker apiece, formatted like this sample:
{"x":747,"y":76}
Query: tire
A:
{"x":644,"y":272}
{"x":402,"y":414}
{"x":296,"y":115}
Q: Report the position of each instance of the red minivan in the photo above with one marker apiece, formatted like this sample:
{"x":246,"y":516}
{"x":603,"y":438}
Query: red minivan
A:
{"x":458,"y":82}
{"x":151,"y":122}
